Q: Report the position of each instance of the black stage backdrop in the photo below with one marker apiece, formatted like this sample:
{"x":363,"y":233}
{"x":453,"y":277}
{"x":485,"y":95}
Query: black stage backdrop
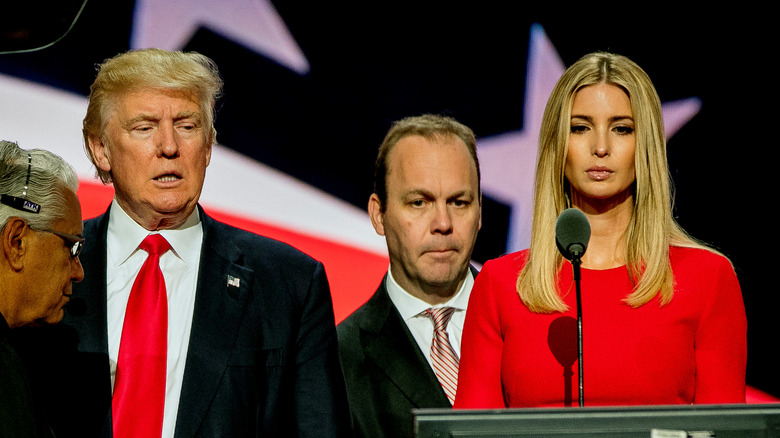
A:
{"x":375,"y":62}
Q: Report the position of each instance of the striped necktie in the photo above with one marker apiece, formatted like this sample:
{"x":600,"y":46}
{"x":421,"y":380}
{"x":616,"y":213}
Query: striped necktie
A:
{"x":445,"y":361}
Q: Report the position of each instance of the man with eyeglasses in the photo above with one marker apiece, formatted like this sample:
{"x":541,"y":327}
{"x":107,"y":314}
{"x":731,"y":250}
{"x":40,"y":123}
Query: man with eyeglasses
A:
{"x":41,"y":240}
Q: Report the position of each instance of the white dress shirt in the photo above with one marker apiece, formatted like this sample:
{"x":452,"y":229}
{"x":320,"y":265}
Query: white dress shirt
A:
{"x":180,"y":270}
{"x":412,"y":310}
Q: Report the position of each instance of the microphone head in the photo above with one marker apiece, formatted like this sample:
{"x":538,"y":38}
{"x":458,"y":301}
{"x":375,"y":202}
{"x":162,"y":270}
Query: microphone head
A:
{"x":572,"y":233}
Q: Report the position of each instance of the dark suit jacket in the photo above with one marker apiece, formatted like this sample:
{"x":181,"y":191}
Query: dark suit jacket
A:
{"x":20,"y":411}
{"x":387,"y":375}
{"x":262,"y":358}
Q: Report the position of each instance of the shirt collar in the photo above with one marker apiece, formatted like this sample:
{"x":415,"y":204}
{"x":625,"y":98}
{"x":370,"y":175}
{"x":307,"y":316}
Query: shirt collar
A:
{"x":125,"y":234}
{"x":410,"y":306}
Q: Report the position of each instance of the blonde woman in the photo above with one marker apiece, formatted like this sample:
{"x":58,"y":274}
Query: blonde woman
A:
{"x":663,"y":316}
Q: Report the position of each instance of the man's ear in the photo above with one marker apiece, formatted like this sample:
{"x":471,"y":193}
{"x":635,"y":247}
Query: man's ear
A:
{"x":209,"y":148}
{"x":99,"y":150}
{"x":15,"y":241}
{"x":480,"y":211}
{"x":376,"y":214}
{"x":210,"y":145}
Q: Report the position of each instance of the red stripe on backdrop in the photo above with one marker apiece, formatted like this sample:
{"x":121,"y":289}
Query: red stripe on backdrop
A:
{"x":353,"y":273}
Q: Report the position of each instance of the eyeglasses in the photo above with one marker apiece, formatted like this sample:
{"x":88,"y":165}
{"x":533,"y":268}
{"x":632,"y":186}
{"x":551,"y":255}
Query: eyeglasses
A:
{"x":75,"y":242}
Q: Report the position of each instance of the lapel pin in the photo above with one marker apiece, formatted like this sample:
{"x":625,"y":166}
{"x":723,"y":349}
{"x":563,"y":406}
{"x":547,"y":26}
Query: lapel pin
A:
{"x":233,"y":281}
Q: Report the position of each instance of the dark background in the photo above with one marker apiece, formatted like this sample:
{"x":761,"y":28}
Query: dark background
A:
{"x":375,"y":62}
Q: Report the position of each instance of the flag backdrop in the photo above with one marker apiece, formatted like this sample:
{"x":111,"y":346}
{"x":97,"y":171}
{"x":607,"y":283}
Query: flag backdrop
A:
{"x":312,"y":87}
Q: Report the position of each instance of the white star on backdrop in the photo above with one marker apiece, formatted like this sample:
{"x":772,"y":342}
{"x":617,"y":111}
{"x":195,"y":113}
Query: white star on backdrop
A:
{"x":170,"y":24}
{"x":508,"y":160}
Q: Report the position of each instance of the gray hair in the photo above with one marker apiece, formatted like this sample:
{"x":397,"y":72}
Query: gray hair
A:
{"x":49,"y":174}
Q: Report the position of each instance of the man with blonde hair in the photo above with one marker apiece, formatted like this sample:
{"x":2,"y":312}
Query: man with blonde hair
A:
{"x":208,"y":330}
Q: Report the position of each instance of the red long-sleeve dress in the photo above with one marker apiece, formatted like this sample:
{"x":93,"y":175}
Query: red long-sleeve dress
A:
{"x":692,"y":350}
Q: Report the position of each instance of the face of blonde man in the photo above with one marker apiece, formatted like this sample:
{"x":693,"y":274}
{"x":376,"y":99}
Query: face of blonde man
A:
{"x":157,"y":149}
{"x":432,"y":215}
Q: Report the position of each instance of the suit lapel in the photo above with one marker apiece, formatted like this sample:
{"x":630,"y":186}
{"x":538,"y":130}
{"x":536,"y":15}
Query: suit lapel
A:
{"x":389,"y":344}
{"x":87,"y":312}
{"x":220,"y":302}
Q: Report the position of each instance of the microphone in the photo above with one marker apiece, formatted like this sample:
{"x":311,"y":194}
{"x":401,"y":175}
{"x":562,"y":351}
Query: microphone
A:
{"x":572,"y":233}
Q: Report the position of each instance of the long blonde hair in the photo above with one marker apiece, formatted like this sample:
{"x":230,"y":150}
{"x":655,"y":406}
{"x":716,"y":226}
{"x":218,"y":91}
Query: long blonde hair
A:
{"x":651,"y":230}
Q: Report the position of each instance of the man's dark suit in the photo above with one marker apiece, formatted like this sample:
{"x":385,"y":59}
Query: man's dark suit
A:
{"x":387,"y":375}
{"x":262,"y":358}
{"x":20,"y":412}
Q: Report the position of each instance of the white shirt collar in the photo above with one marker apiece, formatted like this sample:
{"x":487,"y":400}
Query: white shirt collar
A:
{"x":410,"y":306}
{"x":125,"y":234}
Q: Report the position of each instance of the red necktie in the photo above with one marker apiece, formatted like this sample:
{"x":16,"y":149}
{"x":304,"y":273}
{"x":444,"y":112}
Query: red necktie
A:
{"x":445,"y":361}
{"x":139,"y":389}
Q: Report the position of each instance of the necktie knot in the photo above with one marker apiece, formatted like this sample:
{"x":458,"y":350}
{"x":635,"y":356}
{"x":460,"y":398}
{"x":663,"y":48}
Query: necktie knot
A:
{"x":155,"y":244}
{"x":440,"y":316}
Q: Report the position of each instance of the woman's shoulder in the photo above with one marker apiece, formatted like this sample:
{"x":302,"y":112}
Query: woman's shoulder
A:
{"x":700,"y":263}
{"x":502,"y":269}
{"x":704,"y":278}
{"x":697,"y":255}
{"x":496,"y":281}
{"x":511,"y":260}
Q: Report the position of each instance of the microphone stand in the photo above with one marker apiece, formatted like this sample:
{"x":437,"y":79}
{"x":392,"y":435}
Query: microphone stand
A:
{"x":572,"y":234}
{"x":575,"y":263}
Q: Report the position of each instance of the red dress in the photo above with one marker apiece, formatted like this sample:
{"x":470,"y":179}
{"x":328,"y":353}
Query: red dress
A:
{"x":692,"y":350}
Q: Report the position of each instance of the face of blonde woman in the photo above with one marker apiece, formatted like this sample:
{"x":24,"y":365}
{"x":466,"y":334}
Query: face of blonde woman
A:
{"x":600,"y":161}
